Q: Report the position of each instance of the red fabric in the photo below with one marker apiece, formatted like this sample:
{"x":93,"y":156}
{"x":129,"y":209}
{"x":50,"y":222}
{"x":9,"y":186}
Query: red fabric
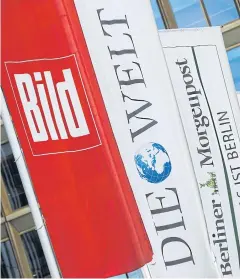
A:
{"x":85,"y":196}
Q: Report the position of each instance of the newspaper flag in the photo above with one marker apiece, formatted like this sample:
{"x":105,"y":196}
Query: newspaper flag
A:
{"x":208,"y":106}
{"x":129,"y":64}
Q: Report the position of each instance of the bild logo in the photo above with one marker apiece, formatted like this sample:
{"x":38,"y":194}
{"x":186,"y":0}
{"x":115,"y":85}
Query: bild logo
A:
{"x":31,"y":107}
{"x":53,"y":105}
{"x":153,"y":163}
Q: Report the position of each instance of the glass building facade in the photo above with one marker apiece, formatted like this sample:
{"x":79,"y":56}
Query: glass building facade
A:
{"x":11,"y":178}
{"x":9,"y":266}
{"x":188,"y":13}
{"x":202,"y":13}
{"x":21,"y":251}
{"x":234,"y":60}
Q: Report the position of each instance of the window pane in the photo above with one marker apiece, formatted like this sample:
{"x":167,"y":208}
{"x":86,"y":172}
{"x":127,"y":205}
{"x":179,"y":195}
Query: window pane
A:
{"x":135,"y":274}
{"x":221,"y":11}
{"x":234,"y":60}
{"x":9,"y":267}
{"x":11,"y":178}
{"x":188,"y":13}
{"x":35,"y":255}
{"x":157,"y":15}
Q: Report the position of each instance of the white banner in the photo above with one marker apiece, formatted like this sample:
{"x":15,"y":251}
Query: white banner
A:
{"x":208,"y":106}
{"x":129,"y":63}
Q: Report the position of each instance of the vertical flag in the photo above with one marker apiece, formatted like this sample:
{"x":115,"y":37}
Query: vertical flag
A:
{"x":207,"y":102}
{"x":131,"y":71}
{"x":63,"y":128}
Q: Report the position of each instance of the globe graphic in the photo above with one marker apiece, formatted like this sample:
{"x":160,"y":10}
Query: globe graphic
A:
{"x":153,"y":163}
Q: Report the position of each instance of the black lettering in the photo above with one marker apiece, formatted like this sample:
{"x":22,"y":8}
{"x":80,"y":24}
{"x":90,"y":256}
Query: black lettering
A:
{"x":223,"y":248}
{"x":182,"y":260}
{"x":134,"y":114}
{"x":227,"y":138}
{"x":181,"y":63}
{"x":228,"y":131}
{"x":195,"y":98}
{"x":196,"y":114}
{"x":185,"y":70}
{"x":232,"y":155}
{"x":230,"y":147}
{"x":233,"y":169}
{"x":167,"y":209}
{"x":205,"y":121}
{"x":236,"y":177}
{"x":219,"y":241}
{"x":171,"y":226}
{"x":207,"y":159}
{"x":218,"y":212}
{"x":204,"y":142}
{"x":225,"y":256}
{"x":216,"y":204}
{"x":129,"y":81}
{"x":131,"y":50}
{"x":220,"y":226}
{"x":151,"y":123}
{"x":222,"y":115}
{"x":185,"y":77}
{"x":110,"y":22}
{"x":194,"y":92}
{"x":145,"y":105}
{"x":226,"y":269}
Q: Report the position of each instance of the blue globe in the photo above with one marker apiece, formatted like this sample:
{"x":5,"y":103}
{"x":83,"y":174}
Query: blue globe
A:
{"x":153,"y":163}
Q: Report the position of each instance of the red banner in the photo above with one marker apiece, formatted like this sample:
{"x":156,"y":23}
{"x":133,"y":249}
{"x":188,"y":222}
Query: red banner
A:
{"x":73,"y":159}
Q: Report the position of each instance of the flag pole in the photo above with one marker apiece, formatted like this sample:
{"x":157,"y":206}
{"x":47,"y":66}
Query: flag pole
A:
{"x":27,"y":185}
